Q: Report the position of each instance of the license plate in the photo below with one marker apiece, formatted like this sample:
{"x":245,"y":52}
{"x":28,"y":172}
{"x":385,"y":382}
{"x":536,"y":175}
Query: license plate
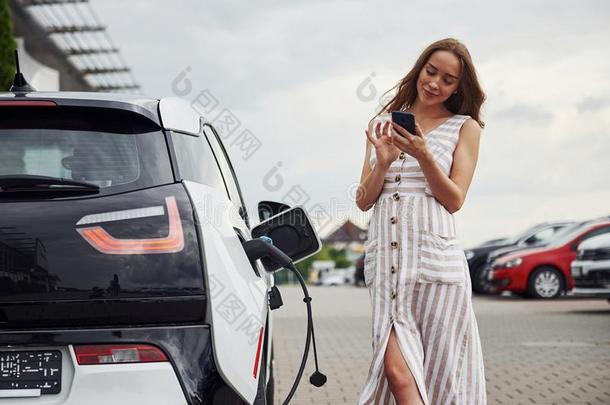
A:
{"x":31,"y":370}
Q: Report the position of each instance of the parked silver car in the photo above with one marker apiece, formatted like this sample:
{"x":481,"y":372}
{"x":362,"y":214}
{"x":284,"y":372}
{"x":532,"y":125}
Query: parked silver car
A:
{"x":591,"y":268}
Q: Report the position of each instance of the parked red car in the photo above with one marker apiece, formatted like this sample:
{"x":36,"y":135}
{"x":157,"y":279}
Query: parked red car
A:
{"x":544,"y":272}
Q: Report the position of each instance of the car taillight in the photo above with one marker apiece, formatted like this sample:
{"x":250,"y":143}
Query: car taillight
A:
{"x":106,"y":243}
{"x":27,"y":103}
{"x":116,"y":354}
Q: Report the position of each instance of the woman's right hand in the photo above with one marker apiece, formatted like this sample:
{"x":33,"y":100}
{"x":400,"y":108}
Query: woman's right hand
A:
{"x":385,"y":150}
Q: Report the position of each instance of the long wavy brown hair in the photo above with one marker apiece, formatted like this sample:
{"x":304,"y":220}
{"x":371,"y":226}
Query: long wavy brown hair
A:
{"x":466,"y":101}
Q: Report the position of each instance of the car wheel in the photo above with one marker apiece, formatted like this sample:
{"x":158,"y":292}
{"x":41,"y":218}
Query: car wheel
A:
{"x":545,"y":282}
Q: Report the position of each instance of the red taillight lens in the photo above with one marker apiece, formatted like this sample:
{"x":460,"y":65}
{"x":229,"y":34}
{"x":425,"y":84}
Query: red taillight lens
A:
{"x":106,"y":243}
{"x":27,"y":103}
{"x":116,"y":354}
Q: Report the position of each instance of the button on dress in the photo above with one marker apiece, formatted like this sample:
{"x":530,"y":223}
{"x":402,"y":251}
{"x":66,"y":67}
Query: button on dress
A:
{"x":418,"y":281}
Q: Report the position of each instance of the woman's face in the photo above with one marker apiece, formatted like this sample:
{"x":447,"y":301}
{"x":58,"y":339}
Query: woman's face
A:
{"x":439,"y":78}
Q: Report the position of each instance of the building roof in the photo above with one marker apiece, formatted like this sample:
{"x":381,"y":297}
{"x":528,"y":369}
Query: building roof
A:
{"x":68,"y":36}
{"x":347,"y":232}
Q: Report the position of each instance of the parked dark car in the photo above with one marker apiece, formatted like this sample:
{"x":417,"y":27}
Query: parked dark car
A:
{"x":544,"y":272}
{"x":478,"y":256}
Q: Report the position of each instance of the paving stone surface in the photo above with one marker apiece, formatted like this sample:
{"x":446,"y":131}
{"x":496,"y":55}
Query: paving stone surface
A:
{"x":535,"y":352}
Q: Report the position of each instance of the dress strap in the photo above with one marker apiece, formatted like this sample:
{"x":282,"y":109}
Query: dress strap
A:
{"x":459,"y":120}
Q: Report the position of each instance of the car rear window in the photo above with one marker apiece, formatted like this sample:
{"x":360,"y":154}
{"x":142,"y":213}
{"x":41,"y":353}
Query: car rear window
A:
{"x":114,"y":150}
{"x":100,"y":158}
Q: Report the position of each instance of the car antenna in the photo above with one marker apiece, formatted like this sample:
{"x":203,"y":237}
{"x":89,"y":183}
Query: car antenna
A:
{"x":20,"y":85}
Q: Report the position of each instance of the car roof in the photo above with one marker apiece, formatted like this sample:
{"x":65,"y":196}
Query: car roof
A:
{"x":597,"y":221}
{"x":587,"y":226}
{"x":137,"y":104}
{"x":553,"y":223}
{"x":81,"y":95}
{"x":170,"y":112}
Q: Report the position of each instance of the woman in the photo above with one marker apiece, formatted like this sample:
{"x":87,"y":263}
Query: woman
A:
{"x":426,"y":347}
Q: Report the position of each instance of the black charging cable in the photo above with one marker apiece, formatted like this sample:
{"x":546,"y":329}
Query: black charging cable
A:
{"x":263,"y":247}
{"x":317,"y":378}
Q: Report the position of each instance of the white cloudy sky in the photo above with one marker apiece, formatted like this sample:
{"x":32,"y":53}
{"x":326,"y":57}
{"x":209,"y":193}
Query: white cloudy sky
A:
{"x":290,"y":70}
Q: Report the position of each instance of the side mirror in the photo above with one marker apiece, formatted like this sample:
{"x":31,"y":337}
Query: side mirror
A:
{"x":267,"y":209}
{"x":292,"y":232}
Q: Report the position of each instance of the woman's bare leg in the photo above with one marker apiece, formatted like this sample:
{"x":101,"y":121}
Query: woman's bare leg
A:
{"x":400,"y":379}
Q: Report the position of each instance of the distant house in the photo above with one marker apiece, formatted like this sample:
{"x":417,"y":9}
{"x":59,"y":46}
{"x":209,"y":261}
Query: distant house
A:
{"x":348,"y":236}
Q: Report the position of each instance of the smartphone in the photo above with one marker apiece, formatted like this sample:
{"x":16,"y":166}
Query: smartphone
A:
{"x":405,"y":120}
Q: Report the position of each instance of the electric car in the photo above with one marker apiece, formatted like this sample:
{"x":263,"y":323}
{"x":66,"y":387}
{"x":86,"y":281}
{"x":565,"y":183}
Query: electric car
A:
{"x":127,"y":268}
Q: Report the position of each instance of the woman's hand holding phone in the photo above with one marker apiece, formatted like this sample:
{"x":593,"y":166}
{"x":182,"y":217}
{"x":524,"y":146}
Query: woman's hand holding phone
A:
{"x":412,"y":144}
{"x":385,"y":149}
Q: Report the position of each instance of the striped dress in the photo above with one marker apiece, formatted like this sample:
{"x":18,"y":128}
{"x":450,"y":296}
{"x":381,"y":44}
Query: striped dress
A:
{"x":418,"y":281}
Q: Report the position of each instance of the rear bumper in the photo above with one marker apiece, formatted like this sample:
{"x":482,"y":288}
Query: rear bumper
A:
{"x":190,"y":377}
{"x":150,"y":383}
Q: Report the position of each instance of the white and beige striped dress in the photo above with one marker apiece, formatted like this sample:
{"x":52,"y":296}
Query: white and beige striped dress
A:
{"x":419,"y":283}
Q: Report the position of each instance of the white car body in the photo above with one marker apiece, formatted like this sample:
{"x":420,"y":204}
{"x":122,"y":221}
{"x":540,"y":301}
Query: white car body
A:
{"x":233,"y":288}
{"x":237,"y":332}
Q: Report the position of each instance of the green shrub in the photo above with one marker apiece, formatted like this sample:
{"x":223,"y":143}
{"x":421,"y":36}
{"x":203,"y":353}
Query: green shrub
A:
{"x":7,"y":47}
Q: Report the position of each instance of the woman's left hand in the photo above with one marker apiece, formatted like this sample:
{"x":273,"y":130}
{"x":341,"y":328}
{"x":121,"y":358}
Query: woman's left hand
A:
{"x":412,"y":144}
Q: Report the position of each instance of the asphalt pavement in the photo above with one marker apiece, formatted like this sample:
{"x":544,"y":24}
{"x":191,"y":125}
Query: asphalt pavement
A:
{"x":535,"y":351}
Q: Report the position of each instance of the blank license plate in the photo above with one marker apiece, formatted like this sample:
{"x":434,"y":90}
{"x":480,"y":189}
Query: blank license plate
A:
{"x":30,"y":370}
